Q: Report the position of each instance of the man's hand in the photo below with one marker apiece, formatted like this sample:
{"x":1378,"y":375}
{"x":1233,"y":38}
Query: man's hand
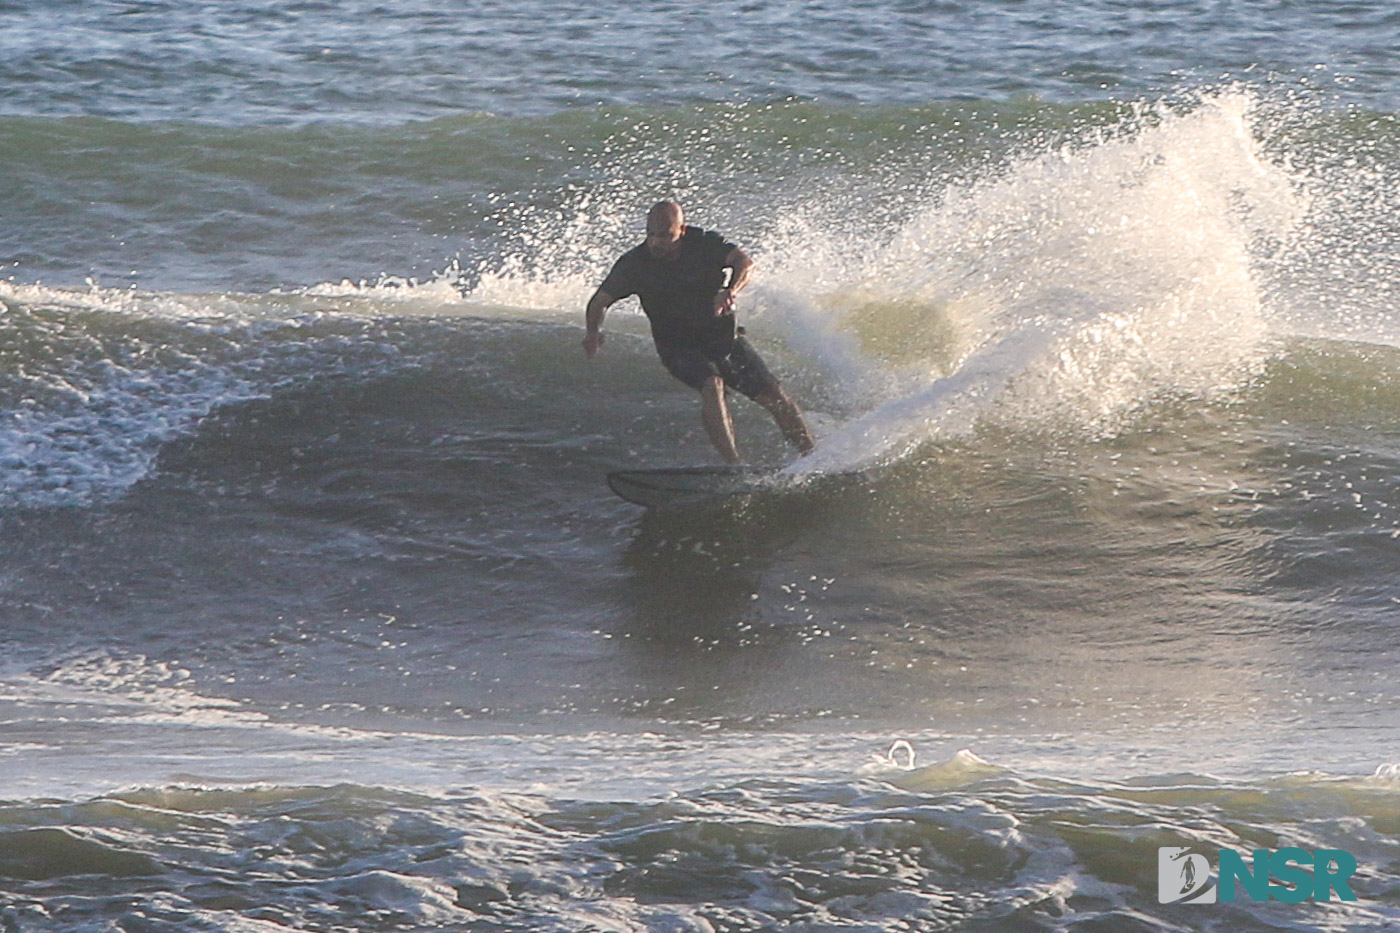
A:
{"x":740,"y":268}
{"x":724,"y":302}
{"x":591,"y":342}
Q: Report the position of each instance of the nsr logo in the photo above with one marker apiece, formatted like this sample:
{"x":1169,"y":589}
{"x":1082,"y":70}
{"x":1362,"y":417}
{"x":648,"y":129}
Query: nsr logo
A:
{"x":1184,"y":877}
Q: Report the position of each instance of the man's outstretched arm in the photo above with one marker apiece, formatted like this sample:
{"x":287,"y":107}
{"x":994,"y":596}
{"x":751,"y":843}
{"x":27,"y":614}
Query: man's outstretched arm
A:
{"x":593,"y":321}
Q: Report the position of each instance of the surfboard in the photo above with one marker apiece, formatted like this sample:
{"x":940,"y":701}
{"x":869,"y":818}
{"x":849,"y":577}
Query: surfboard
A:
{"x":677,"y":485}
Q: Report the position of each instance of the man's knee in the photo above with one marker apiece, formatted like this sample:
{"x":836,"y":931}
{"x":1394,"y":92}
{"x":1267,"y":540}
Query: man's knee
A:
{"x":773,"y":398}
{"x":713,"y":385}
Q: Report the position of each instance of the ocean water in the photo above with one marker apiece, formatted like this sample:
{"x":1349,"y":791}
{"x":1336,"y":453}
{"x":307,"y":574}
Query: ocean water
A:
{"x":316,"y":613}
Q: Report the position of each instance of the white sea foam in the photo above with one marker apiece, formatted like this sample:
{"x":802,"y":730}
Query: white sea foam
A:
{"x":95,"y":401}
{"x":99,"y":380}
{"x":440,"y":288}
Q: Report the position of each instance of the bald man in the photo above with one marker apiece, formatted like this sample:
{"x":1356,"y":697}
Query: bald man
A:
{"x":687,"y":279}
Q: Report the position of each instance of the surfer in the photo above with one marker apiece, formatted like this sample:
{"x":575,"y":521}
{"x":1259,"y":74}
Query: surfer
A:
{"x":679,"y":273}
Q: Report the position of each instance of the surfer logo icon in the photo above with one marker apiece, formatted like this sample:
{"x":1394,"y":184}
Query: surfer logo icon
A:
{"x":1183,"y":877}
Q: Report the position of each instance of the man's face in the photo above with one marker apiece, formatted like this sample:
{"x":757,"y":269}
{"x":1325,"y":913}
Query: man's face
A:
{"x":664,"y":237}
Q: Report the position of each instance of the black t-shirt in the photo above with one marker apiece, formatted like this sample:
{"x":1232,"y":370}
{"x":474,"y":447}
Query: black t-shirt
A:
{"x":678,"y":295}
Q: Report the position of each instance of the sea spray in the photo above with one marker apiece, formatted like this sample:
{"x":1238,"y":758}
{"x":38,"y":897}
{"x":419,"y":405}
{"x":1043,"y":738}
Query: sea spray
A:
{"x":1071,"y":288}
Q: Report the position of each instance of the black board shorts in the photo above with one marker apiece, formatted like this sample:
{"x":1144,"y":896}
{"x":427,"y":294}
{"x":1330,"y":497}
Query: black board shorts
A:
{"x":742,"y":370}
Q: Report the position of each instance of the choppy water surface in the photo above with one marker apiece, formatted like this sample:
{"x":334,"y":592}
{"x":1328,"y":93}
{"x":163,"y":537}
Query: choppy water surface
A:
{"x":360,"y":61}
{"x":318,"y":615}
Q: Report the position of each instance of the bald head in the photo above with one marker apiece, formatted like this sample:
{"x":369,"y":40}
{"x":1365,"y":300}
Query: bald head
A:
{"x":665,"y":214}
{"x":665,"y":227}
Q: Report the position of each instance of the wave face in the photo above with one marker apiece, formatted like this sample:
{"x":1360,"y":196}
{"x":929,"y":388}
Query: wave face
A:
{"x":318,"y":614}
{"x":1053,"y":269}
{"x":1106,"y":342}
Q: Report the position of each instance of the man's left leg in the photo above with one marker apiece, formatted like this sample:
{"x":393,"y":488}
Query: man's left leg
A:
{"x":789,"y":418}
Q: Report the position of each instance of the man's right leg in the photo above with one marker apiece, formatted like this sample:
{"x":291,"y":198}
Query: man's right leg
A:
{"x":714,"y":410}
